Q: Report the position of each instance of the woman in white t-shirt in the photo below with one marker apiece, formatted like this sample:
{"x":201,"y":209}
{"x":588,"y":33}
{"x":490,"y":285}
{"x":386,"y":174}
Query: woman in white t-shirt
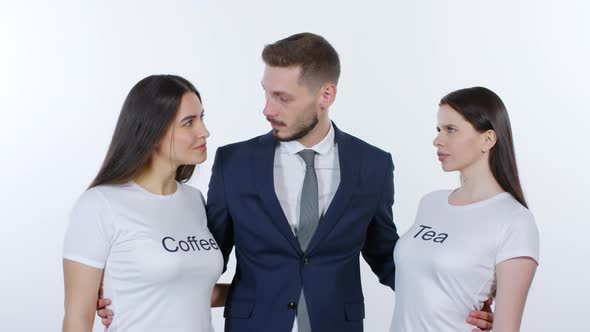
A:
{"x":139,"y":229}
{"x":476,"y":240}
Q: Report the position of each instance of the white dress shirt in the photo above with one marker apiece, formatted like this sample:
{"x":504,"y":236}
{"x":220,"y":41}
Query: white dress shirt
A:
{"x":289,"y":173}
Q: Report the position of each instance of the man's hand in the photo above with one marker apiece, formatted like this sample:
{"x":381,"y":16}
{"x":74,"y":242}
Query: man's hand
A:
{"x":482,"y":319}
{"x":104,"y":313}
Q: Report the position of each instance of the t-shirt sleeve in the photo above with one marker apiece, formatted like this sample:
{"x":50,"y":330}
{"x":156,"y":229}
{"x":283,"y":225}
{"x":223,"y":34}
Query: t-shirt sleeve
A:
{"x":88,"y":236}
{"x":202,"y":198}
{"x":520,"y":239}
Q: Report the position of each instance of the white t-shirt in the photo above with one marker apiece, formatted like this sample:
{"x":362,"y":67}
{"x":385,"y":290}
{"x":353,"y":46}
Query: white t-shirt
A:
{"x":160,"y":261}
{"x":445,"y":263}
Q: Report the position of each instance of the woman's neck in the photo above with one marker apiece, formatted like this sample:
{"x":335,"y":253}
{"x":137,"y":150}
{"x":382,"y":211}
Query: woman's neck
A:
{"x":158,"y":178}
{"x":477,"y":183}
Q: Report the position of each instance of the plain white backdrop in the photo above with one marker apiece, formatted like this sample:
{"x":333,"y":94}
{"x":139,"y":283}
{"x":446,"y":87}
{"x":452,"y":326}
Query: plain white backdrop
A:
{"x":66,"y":67}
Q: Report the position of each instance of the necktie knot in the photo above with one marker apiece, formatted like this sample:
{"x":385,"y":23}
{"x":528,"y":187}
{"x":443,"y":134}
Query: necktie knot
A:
{"x":308,"y":156}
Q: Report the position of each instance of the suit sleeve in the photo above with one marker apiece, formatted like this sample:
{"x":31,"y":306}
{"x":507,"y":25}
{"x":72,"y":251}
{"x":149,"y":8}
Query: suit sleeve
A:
{"x":382,"y":233}
{"x":219,"y":219}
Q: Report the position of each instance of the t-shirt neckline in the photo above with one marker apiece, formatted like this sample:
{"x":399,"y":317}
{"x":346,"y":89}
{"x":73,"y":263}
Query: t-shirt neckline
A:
{"x":483,"y":202}
{"x":154,"y":195}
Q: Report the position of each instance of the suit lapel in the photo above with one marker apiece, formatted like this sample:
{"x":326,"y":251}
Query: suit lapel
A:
{"x":263,"y":166}
{"x":349,"y":168}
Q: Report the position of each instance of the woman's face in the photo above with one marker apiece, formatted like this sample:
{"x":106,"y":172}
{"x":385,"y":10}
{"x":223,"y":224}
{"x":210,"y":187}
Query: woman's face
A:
{"x":458,"y":144}
{"x":185,"y":140}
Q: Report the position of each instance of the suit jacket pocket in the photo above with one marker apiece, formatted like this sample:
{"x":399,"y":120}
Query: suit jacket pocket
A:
{"x":354,"y":311}
{"x":238,"y":309}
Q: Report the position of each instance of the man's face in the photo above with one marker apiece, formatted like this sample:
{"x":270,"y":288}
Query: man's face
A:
{"x":291,"y":108}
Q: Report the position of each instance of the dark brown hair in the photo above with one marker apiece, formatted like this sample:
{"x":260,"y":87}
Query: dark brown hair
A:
{"x":485,"y":111}
{"x":319,"y":61}
{"x":148,"y":111}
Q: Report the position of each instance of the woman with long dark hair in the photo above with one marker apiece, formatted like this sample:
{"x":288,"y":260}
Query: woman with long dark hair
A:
{"x":138,"y":228}
{"x":476,"y":240}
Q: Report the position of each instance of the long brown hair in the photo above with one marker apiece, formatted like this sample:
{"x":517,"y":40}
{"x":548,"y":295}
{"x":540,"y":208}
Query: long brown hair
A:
{"x":485,"y":111}
{"x":148,"y":111}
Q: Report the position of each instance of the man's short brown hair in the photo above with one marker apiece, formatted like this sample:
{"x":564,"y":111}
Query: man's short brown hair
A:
{"x":319,"y":61}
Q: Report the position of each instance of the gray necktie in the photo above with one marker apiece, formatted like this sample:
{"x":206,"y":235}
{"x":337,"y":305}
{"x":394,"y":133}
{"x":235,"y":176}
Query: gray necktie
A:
{"x":308,"y":223}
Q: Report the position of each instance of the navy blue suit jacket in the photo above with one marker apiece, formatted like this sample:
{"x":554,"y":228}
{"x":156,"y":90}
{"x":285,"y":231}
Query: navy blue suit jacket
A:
{"x":243,"y":211}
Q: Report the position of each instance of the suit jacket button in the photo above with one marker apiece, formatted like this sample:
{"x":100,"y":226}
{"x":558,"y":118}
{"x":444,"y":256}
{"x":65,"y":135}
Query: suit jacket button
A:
{"x":292,"y":306}
{"x":305,"y":260}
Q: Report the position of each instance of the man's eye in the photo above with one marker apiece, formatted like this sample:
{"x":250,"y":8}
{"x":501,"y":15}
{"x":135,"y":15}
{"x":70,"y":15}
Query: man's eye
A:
{"x":451,"y":130}
{"x":283,"y":99}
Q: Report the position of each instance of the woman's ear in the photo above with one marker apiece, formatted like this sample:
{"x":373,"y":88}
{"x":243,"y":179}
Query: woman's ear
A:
{"x":489,"y":140}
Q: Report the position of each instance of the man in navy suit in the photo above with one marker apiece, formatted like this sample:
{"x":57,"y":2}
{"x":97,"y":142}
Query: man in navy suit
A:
{"x":257,"y":191}
{"x":300,"y":204}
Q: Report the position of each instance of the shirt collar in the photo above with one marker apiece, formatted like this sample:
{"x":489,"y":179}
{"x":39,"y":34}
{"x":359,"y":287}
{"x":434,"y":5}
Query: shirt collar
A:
{"x":322,"y":148}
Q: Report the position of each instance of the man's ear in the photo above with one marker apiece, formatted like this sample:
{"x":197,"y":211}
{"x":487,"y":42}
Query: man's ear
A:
{"x":327,"y":95}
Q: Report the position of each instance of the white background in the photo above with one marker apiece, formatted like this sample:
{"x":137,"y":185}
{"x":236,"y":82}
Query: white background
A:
{"x":66,"y":67}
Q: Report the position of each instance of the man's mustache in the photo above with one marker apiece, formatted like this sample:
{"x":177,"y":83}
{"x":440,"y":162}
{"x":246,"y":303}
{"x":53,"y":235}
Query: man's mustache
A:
{"x":275,"y":121}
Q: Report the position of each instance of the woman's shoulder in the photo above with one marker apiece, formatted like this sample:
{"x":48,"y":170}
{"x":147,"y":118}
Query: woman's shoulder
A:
{"x":94,"y":196}
{"x":510,"y":216}
{"x":191,"y":191}
{"x":100,"y":196}
{"x":511,"y":209}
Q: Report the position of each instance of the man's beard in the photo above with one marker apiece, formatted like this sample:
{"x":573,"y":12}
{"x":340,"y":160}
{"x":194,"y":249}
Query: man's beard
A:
{"x":304,"y":129}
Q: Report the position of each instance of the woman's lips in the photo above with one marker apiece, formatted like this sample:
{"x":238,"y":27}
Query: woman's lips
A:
{"x":442,"y":156}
